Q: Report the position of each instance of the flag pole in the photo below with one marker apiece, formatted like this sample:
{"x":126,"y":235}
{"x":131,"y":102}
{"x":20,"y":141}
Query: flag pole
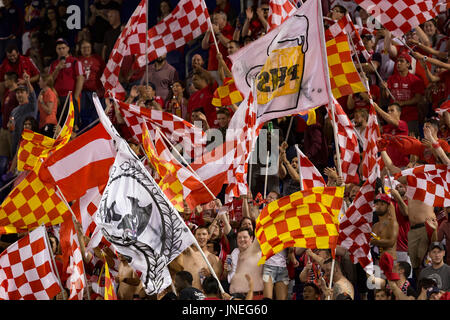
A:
{"x":331,"y":101}
{"x":74,"y":219}
{"x":62,"y":112}
{"x":267,"y":170}
{"x":63,"y":291}
{"x":299,"y":167}
{"x":146,"y":44}
{"x":185,"y":162}
{"x":289,"y":129}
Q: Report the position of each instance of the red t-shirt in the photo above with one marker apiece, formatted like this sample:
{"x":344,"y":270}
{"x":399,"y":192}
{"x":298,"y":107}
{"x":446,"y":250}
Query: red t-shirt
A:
{"x":44,"y":117}
{"x":92,"y":70}
{"x":227,"y":32}
{"x":398,"y":158}
{"x":23,"y":64}
{"x":403,"y":228}
{"x":202,"y":99}
{"x":419,"y":70}
{"x":445,"y":79}
{"x":66,"y":79}
{"x":404,"y":89}
{"x":427,"y":155}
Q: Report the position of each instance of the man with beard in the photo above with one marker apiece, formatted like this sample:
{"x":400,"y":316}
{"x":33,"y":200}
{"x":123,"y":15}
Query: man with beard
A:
{"x":360,"y":120}
{"x":386,"y":229}
{"x":162,"y":74}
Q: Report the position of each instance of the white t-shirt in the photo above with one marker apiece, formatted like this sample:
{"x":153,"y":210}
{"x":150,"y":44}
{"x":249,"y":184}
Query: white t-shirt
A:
{"x":278,"y":260}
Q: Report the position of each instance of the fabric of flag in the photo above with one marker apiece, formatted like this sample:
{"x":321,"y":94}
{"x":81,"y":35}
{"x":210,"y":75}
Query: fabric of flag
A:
{"x":429,"y":184}
{"x":177,"y":130}
{"x":310,"y":176}
{"x":400,"y":16}
{"x":344,"y":78}
{"x":356,"y":225}
{"x":227,"y":94}
{"x":169,"y":182}
{"x":304,"y":219}
{"x":445,"y":107}
{"x":187,"y":21}
{"x":348,"y":143}
{"x":345,"y":26}
{"x":131,"y":41}
{"x":287,"y":66}
{"x":370,"y":154}
{"x":279,"y":11}
{"x":137,"y":218}
{"x":72,"y":260}
{"x":35,"y":146}
{"x":26,"y":269}
{"x":110,"y":293}
{"x":30,"y":204}
{"x":309,"y":116}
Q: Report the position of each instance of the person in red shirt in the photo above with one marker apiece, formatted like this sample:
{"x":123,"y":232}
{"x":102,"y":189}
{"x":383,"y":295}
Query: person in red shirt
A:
{"x":407,"y":90}
{"x":47,"y":105}
{"x":19,"y":64}
{"x":224,"y":33}
{"x":400,"y":203}
{"x":232,"y":47}
{"x":8,"y":104}
{"x":93,"y":66}
{"x":395,"y":127}
{"x":202,"y":98}
{"x":67,"y":73}
{"x":256,"y":24}
{"x":426,"y":151}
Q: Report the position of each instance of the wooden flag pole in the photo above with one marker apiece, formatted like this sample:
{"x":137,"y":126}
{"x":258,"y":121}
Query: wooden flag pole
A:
{"x":299,"y":167}
{"x":289,"y":129}
{"x":62,"y":112}
{"x":266,"y":177}
{"x":185,"y":162}
{"x":63,"y":291}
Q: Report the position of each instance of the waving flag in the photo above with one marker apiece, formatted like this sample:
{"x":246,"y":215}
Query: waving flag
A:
{"x":137,"y":218}
{"x":110,"y":293}
{"x":348,"y":143}
{"x":356,"y":225}
{"x":370,"y":154}
{"x":310,"y":176}
{"x":304,"y":219}
{"x":279,"y":11}
{"x":35,"y":146}
{"x":26,"y":269}
{"x":131,"y":41}
{"x":287,"y":66}
{"x":400,"y":16}
{"x":227,"y":94}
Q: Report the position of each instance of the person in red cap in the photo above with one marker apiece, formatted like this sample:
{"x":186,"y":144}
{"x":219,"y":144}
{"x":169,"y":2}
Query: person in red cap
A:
{"x":407,"y":90}
{"x":385,"y":231}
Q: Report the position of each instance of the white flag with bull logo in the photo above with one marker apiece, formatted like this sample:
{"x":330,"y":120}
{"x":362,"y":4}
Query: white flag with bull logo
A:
{"x":137,"y":218}
{"x":287,"y":65}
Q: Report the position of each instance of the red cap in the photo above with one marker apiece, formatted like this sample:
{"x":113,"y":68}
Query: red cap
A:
{"x":383,"y":197}
{"x":405,"y":56}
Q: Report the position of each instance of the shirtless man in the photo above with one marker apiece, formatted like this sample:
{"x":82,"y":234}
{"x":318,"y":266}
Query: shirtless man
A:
{"x":386,"y":228}
{"x":340,"y":282}
{"x":192,"y":260}
{"x":128,"y":281}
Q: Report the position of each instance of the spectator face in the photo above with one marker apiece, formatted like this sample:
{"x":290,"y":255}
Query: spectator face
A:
{"x":294,"y":163}
{"x":353,"y":193}
{"x":164,"y":7}
{"x":28,"y":125}
{"x":202,"y":237}
{"x":113,"y":17}
{"x":393,"y":111}
{"x":198,"y":82}
{"x":232,"y":48}
{"x":22,"y":96}
{"x":272,"y":196}
{"x":247,"y":223}
{"x":436,"y":296}
{"x":220,"y":20}
{"x":430,"y":127}
{"x":223,"y":120}
{"x":86,"y":49}
{"x":437,"y":256}
{"x":363,"y":14}
{"x":309,"y":293}
{"x":197,"y":61}
{"x":215,"y":231}
{"x":62,"y":50}
{"x":196,"y":116}
{"x":359,"y":119}
{"x":337,"y":13}
{"x":401,"y":189}
{"x":244,"y":240}
{"x":412,"y":35}
{"x":9,"y":82}
{"x":13,"y":56}
{"x":265,"y":9}
{"x":368,"y":43}
{"x":177,"y":88}
{"x":402,"y":65}
{"x":429,"y":28}
{"x":51,"y":14}
{"x":381,"y":208}
{"x":381,"y":295}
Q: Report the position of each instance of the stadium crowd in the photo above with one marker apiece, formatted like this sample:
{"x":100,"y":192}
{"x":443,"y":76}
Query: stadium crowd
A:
{"x":42,"y":61}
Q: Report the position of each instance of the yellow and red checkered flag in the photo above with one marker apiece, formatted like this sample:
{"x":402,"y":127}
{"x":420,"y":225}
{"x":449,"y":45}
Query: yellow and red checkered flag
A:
{"x":30,"y":204}
{"x":169,"y":182}
{"x":110,"y":294}
{"x":304,"y":219}
{"x":35,"y":146}
{"x":344,"y":78}
{"x":227,"y":94}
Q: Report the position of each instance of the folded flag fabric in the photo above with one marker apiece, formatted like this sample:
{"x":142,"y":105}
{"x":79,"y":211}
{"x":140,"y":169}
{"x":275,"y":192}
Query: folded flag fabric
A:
{"x":305,"y":219}
{"x":227,"y":94}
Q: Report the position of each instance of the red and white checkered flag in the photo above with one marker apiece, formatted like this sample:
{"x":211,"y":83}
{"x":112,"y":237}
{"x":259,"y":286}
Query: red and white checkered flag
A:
{"x":279,"y":10}
{"x":26,"y":269}
{"x":176,"y":129}
{"x":345,"y":26}
{"x":429,"y":183}
{"x":400,"y":16}
{"x":356,"y":225}
{"x":370,"y":154}
{"x":186,"y":22}
{"x":310,"y":176}
{"x":131,"y":41}
{"x":348,"y":143}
